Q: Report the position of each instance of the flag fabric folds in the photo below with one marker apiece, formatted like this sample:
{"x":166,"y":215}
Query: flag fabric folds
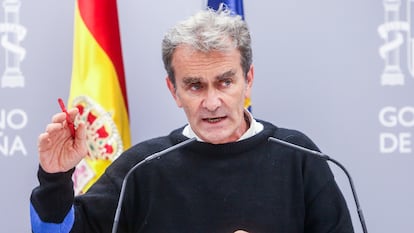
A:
{"x":236,"y":7}
{"x":98,"y":88}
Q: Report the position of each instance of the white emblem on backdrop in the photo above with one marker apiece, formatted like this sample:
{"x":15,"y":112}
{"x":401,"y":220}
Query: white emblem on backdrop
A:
{"x":392,"y":32}
{"x":13,"y":34}
{"x":397,"y":121}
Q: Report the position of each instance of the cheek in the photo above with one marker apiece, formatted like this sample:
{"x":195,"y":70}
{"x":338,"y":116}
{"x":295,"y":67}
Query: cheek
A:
{"x":190,"y":112}
{"x":178,"y":99}
{"x":187,"y":102}
{"x":241,"y":95}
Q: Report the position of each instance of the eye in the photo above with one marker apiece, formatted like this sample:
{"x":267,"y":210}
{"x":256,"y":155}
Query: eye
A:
{"x":226,"y":82}
{"x":195,"y":86}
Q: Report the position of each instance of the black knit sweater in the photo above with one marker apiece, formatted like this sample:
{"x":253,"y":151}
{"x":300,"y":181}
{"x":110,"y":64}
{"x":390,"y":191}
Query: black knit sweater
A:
{"x":253,"y":184}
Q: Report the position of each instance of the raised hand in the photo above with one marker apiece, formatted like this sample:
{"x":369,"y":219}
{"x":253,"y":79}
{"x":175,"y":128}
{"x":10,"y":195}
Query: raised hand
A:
{"x":58,"y":150}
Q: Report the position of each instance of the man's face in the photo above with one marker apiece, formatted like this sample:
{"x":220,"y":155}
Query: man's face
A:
{"x":211,"y":88}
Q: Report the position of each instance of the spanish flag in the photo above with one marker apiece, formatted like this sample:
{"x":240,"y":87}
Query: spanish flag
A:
{"x":236,"y":7}
{"x":98,"y":88}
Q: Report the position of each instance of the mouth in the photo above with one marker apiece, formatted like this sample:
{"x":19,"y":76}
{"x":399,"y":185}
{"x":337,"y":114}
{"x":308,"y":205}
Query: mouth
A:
{"x":213,"y":119}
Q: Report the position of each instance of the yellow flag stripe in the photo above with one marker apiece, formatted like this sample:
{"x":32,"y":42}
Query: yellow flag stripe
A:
{"x":94,"y":75}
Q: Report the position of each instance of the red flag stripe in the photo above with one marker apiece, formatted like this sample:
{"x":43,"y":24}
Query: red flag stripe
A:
{"x":101,"y":19}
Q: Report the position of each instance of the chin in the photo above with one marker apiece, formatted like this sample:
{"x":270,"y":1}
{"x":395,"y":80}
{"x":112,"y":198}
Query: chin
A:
{"x":218,"y":140}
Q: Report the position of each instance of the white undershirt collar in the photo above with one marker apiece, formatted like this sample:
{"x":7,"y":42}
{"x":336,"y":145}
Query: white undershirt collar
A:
{"x":255,"y":127}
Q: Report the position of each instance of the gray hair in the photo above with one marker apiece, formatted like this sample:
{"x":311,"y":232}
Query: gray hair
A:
{"x":209,"y":30}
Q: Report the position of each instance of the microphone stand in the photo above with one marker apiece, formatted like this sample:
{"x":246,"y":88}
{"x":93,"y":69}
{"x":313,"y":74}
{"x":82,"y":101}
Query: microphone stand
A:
{"x":326,"y":157}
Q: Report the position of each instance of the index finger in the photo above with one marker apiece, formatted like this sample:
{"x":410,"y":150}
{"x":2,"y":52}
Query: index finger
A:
{"x":61,"y":116}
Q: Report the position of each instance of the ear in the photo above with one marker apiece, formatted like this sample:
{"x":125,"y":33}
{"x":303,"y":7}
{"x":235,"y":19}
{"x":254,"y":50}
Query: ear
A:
{"x":249,"y":81}
{"x":173,"y":91}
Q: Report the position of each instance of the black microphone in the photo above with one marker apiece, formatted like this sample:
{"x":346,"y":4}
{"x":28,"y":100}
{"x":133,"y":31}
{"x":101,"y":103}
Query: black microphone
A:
{"x":124,"y":182}
{"x":326,"y":157}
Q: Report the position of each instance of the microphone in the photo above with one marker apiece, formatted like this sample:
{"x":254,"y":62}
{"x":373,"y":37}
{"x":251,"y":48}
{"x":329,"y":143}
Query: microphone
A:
{"x":124,"y":182}
{"x":326,"y":157}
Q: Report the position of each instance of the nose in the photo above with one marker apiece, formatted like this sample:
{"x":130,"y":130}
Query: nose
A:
{"x":212,"y":100}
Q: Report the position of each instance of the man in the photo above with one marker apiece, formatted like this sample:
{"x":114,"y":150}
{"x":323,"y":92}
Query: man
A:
{"x":230,"y":179}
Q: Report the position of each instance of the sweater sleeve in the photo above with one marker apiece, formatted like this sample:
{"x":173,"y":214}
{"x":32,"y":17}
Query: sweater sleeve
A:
{"x":51,"y":207}
{"x":55,"y":209}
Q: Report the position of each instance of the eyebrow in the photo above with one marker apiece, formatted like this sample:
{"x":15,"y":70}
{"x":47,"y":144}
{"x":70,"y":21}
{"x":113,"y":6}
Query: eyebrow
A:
{"x":226,"y":75}
{"x":223,"y":76}
{"x":188,"y":80}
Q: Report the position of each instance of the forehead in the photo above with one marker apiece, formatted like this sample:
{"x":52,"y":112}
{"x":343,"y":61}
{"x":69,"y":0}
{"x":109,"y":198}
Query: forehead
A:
{"x":188,"y":61}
